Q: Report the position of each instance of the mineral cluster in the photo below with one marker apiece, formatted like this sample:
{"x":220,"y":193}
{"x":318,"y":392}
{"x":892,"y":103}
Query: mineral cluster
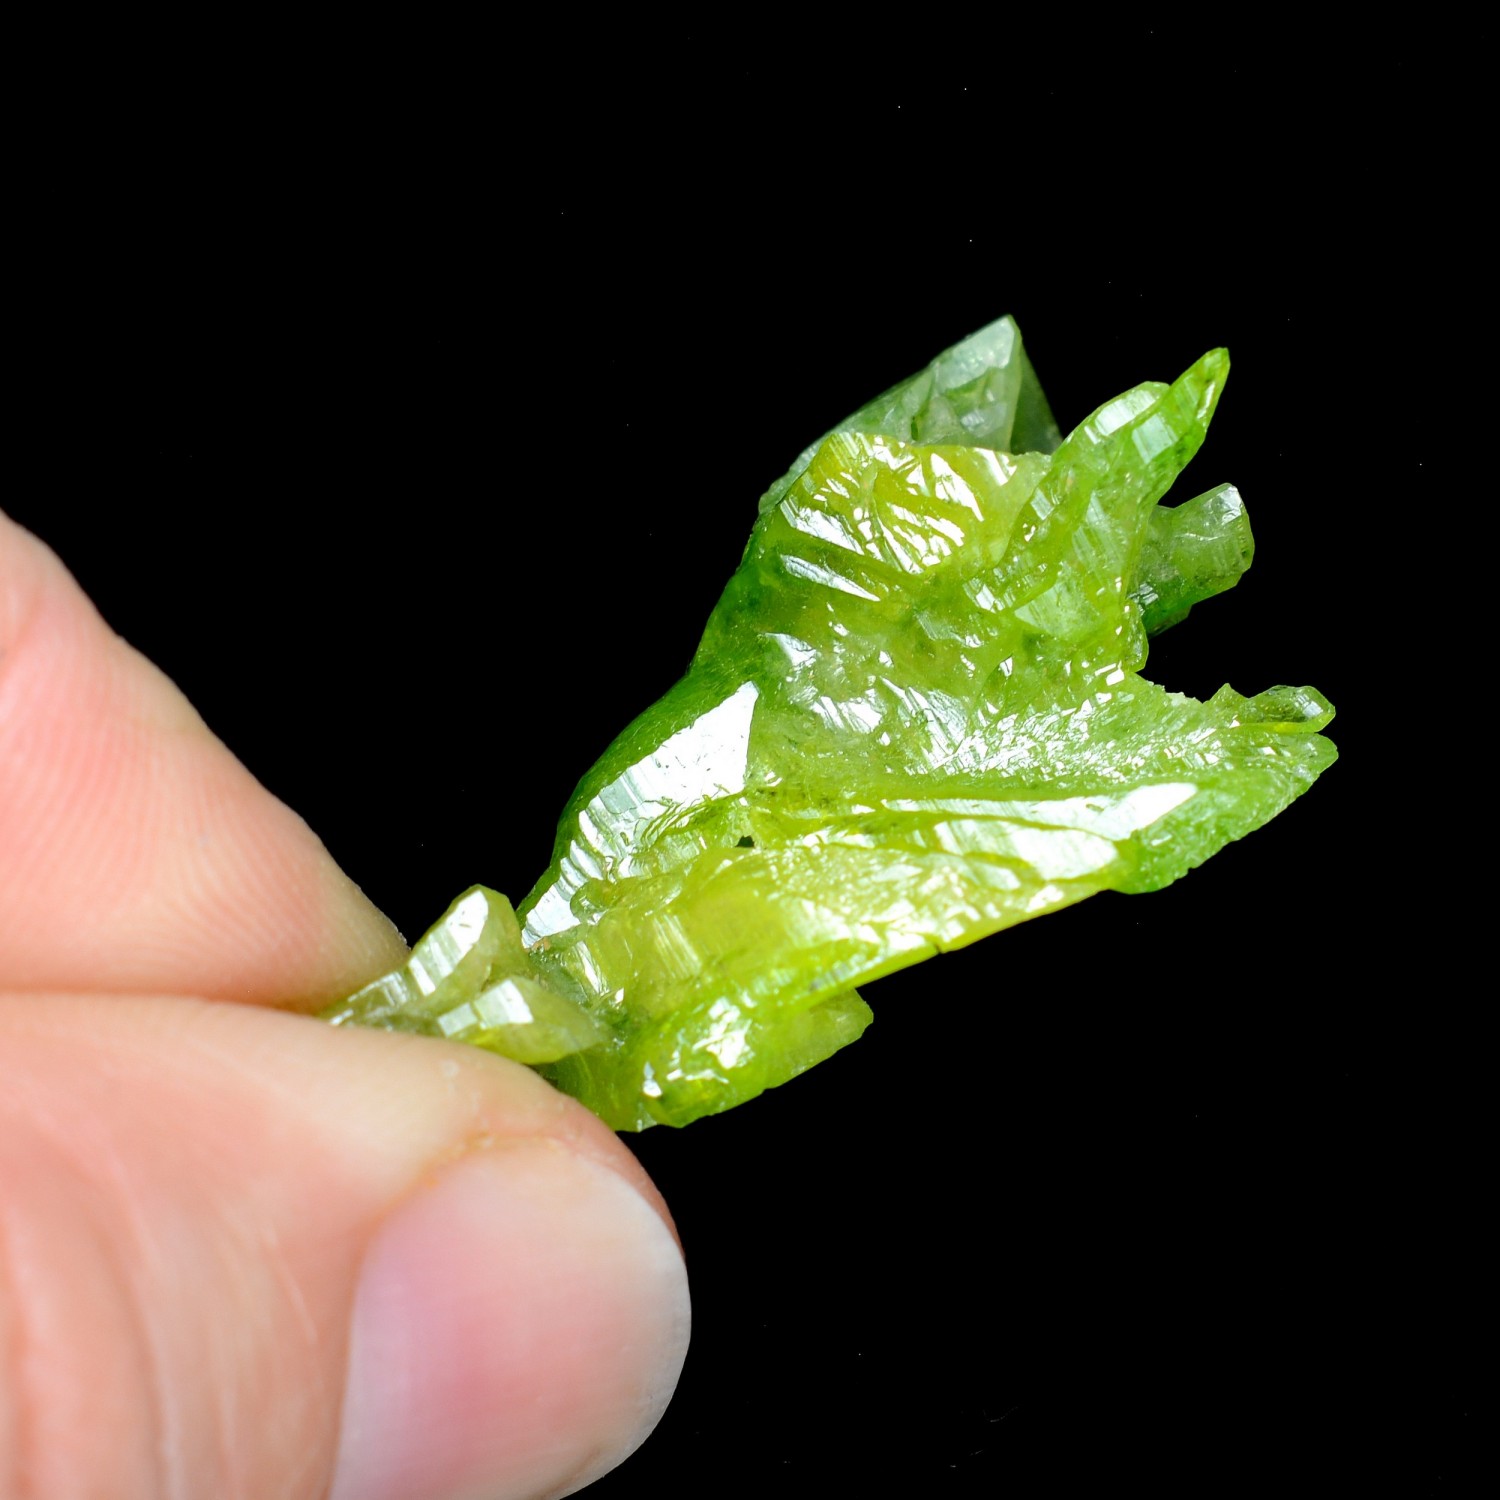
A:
{"x":916,"y":717}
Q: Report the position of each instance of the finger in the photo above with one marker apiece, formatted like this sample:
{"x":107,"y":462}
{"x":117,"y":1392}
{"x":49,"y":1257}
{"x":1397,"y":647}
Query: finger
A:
{"x":243,"y":1254}
{"x":136,"y":853}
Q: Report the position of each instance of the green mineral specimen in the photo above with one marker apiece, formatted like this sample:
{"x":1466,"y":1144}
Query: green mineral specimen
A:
{"x":915,"y":717}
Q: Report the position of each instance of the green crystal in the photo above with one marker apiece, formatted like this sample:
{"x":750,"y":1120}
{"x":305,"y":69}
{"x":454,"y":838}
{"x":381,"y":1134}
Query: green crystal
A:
{"x":915,"y":718}
{"x":468,"y":980}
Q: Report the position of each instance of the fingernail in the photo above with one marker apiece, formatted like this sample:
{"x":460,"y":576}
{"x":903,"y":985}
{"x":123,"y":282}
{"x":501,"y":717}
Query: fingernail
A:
{"x":519,"y":1326}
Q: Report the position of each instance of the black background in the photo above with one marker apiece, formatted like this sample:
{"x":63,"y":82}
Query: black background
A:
{"x":415,"y":436}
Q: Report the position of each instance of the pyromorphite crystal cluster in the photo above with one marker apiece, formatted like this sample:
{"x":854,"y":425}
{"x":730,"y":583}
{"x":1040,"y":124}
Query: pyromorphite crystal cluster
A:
{"x":915,"y":717}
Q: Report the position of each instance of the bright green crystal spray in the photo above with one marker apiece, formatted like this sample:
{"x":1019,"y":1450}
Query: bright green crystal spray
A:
{"x":915,"y":717}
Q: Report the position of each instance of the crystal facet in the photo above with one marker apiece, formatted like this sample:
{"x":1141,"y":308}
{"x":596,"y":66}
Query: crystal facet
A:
{"x":915,"y":718}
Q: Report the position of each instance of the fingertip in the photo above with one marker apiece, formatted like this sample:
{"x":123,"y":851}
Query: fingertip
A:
{"x":520,"y":1325}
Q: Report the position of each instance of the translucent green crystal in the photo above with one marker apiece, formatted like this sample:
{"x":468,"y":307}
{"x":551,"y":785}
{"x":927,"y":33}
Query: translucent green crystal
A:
{"x":469,"y":980}
{"x":915,"y":717}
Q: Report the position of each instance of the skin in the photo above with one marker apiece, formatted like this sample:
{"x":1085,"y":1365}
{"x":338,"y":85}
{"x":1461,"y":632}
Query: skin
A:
{"x":243,"y":1254}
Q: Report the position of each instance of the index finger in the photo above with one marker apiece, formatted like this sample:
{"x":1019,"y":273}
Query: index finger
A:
{"x":137,"y":855}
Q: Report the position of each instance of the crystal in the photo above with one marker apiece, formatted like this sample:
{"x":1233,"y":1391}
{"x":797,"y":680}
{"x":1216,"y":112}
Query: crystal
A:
{"x":915,"y":718}
{"x":468,"y":980}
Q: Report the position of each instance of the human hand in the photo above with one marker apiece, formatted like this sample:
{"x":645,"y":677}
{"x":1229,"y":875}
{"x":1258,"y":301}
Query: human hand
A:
{"x":243,"y":1254}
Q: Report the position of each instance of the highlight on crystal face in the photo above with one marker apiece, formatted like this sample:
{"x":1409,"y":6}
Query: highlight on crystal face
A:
{"x":915,"y":717}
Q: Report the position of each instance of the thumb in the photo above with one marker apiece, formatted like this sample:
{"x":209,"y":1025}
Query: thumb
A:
{"x":245,"y":1255}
